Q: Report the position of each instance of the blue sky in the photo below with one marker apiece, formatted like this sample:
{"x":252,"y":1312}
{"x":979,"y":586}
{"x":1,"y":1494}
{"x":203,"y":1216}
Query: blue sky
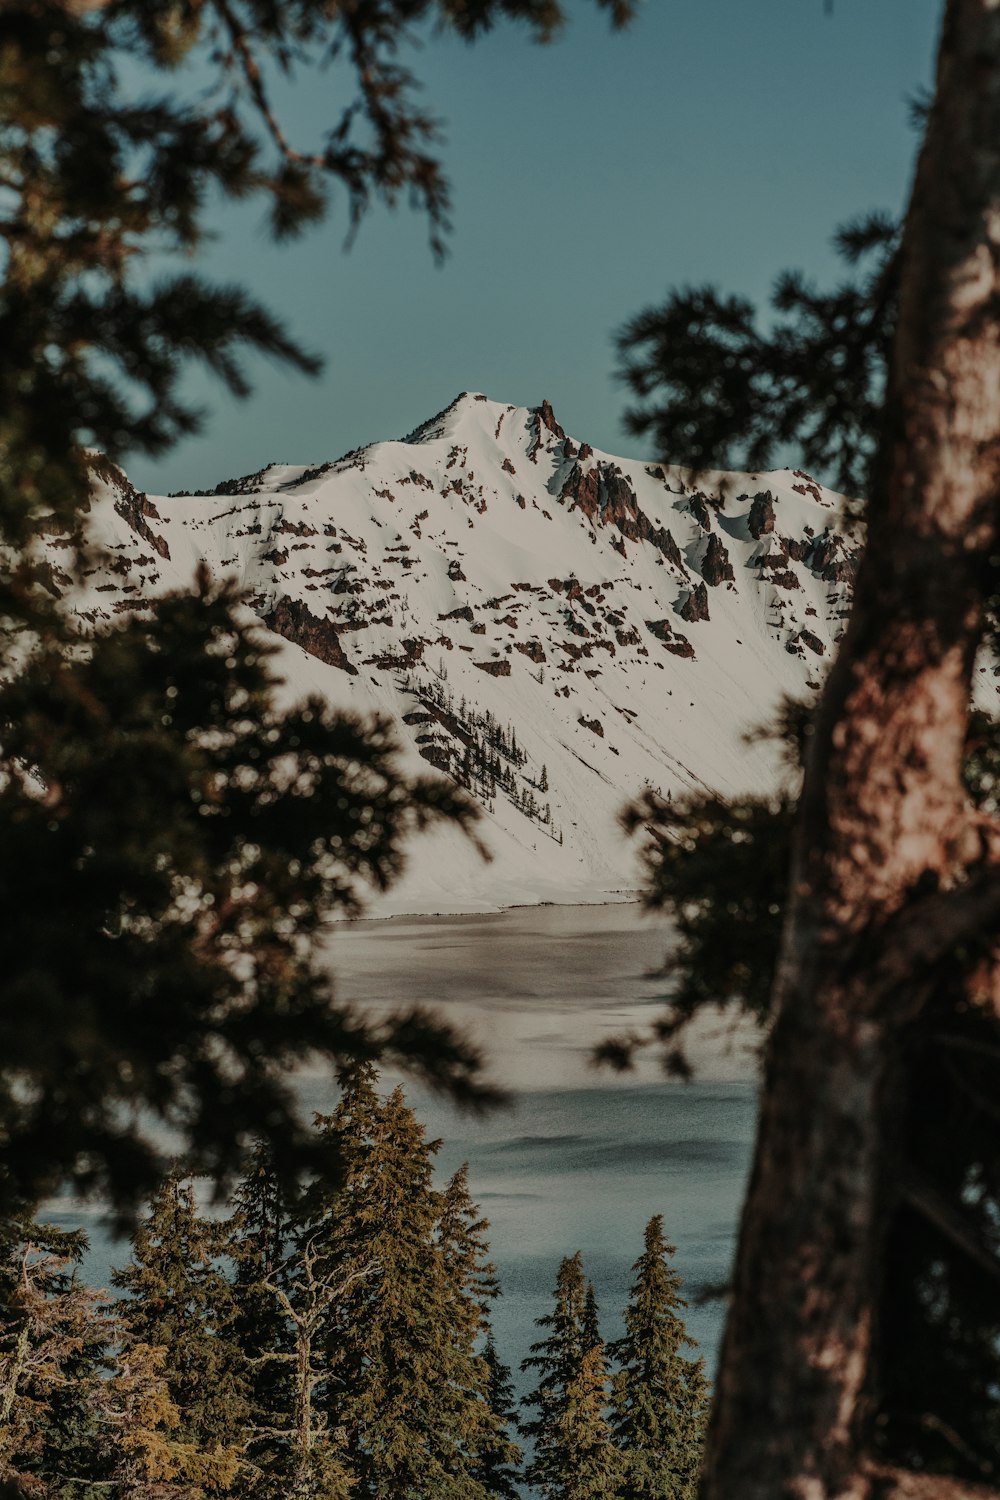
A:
{"x":715,"y":140}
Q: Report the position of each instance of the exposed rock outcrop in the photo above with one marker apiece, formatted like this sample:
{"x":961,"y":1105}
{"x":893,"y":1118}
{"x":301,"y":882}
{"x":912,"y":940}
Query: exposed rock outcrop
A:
{"x":606,"y":497}
{"x":716,"y":567}
{"x":132,"y":505}
{"x":676,"y":643}
{"x":542,"y":417}
{"x":833,"y":558}
{"x":698,"y":506}
{"x":547,"y":418}
{"x":808,"y":638}
{"x":533,"y":650}
{"x":760,"y":521}
{"x":695,"y":606}
{"x":295,"y":621}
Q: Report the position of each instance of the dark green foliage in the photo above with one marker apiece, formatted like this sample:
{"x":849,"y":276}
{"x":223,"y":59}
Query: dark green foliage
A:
{"x":718,"y":392}
{"x":659,"y":1396}
{"x":323,"y":1344}
{"x":471,"y":1287}
{"x":172,"y":847}
{"x":287,"y":1289}
{"x":406,"y":1384}
{"x":575,"y":1458}
{"x":258,"y":1242}
{"x":179,"y":1300}
{"x":55,"y":1334}
{"x":497,"y":1463}
{"x":161,"y":822}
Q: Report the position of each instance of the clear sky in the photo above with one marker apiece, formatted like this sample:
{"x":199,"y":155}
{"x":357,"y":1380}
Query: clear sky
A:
{"x":714,"y":140}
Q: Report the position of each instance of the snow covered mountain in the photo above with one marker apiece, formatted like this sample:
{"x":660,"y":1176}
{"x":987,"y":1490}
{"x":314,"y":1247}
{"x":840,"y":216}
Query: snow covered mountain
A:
{"x":553,"y":626}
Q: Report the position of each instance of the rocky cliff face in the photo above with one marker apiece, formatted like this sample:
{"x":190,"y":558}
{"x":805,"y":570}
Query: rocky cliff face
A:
{"x":552,"y":626}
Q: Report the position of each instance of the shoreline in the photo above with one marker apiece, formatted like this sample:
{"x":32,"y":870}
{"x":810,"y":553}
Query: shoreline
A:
{"x":625,"y":897}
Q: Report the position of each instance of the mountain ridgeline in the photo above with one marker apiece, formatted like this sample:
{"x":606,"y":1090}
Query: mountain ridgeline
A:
{"x":553,"y":627}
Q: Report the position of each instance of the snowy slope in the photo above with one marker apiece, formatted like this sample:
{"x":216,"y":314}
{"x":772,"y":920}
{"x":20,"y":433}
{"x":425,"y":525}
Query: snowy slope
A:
{"x":489,"y":580}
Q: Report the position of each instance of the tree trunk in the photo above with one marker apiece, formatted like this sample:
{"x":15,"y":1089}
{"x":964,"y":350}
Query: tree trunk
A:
{"x":891,"y":866}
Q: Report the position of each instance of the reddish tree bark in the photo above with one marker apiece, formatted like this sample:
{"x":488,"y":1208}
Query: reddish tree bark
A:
{"x":892,"y":867}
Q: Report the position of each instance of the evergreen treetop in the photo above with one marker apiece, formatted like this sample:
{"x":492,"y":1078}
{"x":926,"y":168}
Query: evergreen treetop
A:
{"x":497,"y":1464}
{"x":180,"y":1301}
{"x":409,"y":1385}
{"x":56,"y":1334}
{"x":659,"y":1397}
{"x":574,"y":1456}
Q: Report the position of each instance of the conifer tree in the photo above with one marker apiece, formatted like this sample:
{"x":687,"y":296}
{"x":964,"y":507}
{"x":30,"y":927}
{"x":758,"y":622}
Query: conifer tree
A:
{"x":258,"y":1240}
{"x":659,"y":1397}
{"x":180,"y":1301}
{"x":591,"y":1323}
{"x":575,"y":1458}
{"x":483,"y":1407}
{"x":497,"y":1464}
{"x":93,"y":341}
{"x":405,"y":1387}
{"x":146,"y":1455}
{"x":309,"y":1461}
{"x":851,"y":1290}
{"x":54,"y":1335}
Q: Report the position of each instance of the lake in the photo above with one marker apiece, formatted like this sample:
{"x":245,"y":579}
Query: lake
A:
{"x":582,"y":1158}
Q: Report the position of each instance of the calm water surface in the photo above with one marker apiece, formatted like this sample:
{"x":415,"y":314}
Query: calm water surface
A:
{"x":581,"y":1159}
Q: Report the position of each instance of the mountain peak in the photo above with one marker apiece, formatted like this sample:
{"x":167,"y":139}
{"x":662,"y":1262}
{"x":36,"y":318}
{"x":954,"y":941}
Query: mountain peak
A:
{"x":552,"y":627}
{"x":469,"y":408}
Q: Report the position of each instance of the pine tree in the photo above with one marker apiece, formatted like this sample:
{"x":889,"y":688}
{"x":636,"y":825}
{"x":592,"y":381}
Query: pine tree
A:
{"x":258,"y":1242}
{"x":405,"y":1388}
{"x":590,"y":1325}
{"x":287,"y":1291}
{"x":831,"y":1379}
{"x":575,"y":1458}
{"x":146,"y":1457}
{"x":55,"y":1333}
{"x":659,"y":1397}
{"x":180,"y":1301}
{"x":483,"y":1404}
{"x":497,"y":1465}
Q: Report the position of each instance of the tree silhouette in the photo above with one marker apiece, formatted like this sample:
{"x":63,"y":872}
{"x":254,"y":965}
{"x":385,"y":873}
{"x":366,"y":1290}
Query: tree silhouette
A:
{"x":893,"y":896}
